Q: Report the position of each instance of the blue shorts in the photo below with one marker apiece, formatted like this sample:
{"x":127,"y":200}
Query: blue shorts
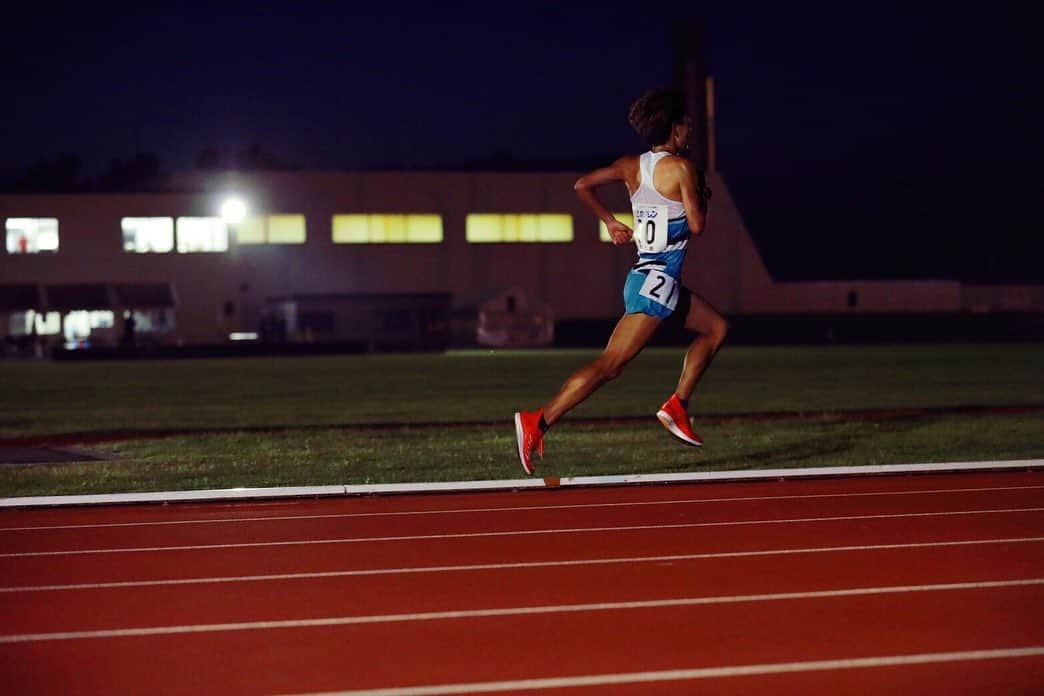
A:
{"x":653,"y":292}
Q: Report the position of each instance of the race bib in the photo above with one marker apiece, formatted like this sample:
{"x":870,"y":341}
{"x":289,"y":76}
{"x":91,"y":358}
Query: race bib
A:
{"x":661,"y":288}
{"x":650,"y":228}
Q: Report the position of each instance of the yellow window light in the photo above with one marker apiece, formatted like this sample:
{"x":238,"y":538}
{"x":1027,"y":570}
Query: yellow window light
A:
{"x":424,"y":228}
{"x":528,"y":227}
{"x":286,"y":229}
{"x":351,"y":229}
{"x":381,"y":228}
{"x":484,"y":228}
{"x":556,"y":228}
{"x":389,"y":228}
{"x":250,"y":231}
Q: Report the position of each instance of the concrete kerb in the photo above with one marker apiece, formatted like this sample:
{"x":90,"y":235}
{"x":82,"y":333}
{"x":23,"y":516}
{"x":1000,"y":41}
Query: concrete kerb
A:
{"x":233,"y":494}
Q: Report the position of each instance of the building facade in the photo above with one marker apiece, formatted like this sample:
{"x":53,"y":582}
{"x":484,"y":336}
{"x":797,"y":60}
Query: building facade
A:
{"x":81,"y":267}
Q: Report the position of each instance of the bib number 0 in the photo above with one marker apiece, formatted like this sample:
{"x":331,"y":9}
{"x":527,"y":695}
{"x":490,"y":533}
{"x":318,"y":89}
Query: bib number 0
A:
{"x":650,"y":228}
{"x":661,"y":288}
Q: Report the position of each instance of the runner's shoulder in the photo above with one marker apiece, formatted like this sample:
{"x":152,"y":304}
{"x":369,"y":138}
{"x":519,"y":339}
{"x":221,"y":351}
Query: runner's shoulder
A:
{"x":627,"y":163}
{"x":677,"y":165}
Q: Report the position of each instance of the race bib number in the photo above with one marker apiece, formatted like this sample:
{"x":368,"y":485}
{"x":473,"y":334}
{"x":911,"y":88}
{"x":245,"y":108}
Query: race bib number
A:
{"x":660,"y":287}
{"x":650,"y":228}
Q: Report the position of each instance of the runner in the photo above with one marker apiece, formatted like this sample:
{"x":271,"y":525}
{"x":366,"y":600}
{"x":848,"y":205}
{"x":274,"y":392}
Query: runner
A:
{"x":669,"y":202}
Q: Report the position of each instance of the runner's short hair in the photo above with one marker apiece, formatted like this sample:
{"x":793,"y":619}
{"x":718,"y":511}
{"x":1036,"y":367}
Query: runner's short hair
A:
{"x":655,"y":112}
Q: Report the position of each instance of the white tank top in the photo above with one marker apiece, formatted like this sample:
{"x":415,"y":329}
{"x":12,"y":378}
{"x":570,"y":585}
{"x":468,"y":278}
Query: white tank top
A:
{"x":647,"y":193}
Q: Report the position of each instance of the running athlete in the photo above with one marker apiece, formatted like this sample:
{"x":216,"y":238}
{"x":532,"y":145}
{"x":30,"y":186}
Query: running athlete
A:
{"x":669,"y":205}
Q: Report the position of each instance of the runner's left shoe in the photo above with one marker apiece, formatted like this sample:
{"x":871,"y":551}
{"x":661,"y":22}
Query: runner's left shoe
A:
{"x":530,"y":438}
{"x":674,"y":417}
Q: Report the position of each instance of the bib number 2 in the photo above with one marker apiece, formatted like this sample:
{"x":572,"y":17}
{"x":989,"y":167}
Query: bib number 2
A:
{"x":661,"y":288}
{"x":650,"y":228}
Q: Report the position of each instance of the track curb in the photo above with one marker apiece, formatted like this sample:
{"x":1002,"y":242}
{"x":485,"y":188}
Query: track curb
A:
{"x":244,"y":494}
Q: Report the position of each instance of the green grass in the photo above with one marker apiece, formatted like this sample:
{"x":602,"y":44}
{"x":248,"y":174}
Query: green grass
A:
{"x":47,"y":398}
{"x":294,"y":408}
{"x":471,"y":453}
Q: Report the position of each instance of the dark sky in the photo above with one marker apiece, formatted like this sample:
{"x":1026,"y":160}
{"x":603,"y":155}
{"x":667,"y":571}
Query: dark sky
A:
{"x":868,"y":140}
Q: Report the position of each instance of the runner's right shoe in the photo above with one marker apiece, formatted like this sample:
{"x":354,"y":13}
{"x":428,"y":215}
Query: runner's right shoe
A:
{"x":675,"y":418}
{"x":530,"y":438}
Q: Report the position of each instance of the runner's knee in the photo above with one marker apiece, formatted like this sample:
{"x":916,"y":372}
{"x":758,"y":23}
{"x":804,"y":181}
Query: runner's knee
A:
{"x":710,"y":324}
{"x":718,"y":329}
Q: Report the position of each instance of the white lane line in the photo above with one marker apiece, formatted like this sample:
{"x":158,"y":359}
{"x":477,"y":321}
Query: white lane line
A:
{"x":697,"y":673}
{"x":513,"y":566}
{"x":523,"y":508}
{"x":514,"y":611}
{"x":516,"y":532}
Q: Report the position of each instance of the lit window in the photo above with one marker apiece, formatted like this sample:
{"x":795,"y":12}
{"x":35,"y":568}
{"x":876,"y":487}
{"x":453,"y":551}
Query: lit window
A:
{"x":102,"y":319}
{"x":626,"y":218}
{"x":202,"y":234}
{"x":48,"y":324}
{"x":32,"y":235}
{"x":387,"y":229}
{"x":251,"y":231}
{"x":271,"y":229}
{"x":80,"y":325}
{"x":519,"y":228}
{"x":21,"y":323}
{"x":148,"y":235}
{"x":286,"y":229}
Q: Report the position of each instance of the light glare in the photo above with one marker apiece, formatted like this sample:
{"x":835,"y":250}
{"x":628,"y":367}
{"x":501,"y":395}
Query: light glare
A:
{"x":233,"y":211}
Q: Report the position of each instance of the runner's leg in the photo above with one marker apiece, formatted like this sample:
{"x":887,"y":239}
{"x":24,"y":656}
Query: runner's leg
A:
{"x":631,"y":334}
{"x":712,"y":328}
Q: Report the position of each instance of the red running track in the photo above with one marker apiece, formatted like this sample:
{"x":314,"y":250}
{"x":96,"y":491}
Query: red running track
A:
{"x":910,"y":584}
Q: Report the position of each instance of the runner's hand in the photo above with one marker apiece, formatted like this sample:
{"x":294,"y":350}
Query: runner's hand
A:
{"x":620,"y":233}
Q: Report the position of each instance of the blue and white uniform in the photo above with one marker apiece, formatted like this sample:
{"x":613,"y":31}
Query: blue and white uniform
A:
{"x":661,"y":233}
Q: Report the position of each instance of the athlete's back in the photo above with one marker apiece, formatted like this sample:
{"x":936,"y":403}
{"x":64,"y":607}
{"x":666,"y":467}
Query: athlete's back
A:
{"x":654,"y":180}
{"x":661,"y":232}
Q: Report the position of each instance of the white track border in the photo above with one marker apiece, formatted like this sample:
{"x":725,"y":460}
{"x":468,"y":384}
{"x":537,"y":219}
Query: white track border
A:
{"x":509,"y":484}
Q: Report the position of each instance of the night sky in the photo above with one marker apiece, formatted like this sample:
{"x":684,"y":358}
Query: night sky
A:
{"x":871,"y":141}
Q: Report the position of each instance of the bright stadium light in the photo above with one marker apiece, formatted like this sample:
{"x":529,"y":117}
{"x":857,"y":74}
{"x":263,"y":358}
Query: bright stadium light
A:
{"x":233,"y":211}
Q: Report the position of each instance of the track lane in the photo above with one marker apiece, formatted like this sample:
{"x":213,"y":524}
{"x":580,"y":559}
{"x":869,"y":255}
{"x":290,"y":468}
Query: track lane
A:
{"x":522,"y":647}
{"x":405,"y":592}
{"x":554,"y":545}
{"x":572,"y":509}
{"x":53,"y":540}
{"x":1007,"y":672}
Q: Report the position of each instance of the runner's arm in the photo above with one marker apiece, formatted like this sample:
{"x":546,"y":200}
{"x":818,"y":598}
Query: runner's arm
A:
{"x":585,"y":188}
{"x":693,"y":200}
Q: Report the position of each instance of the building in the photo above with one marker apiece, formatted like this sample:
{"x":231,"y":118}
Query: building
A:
{"x":79,"y":265}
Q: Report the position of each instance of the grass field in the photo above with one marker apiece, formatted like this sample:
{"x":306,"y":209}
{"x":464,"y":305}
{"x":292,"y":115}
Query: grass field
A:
{"x":298,"y":421}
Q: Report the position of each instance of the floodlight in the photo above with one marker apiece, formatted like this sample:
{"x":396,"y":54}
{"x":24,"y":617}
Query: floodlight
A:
{"x":233,"y":211}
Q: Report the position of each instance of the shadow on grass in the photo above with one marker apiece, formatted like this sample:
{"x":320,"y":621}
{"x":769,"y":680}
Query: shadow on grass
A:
{"x":787,"y":455}
{"x":815,"y":448}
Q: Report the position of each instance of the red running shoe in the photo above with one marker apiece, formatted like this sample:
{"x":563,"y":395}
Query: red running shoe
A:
{"x":530,"y":439}
{"x":673,"y":416}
